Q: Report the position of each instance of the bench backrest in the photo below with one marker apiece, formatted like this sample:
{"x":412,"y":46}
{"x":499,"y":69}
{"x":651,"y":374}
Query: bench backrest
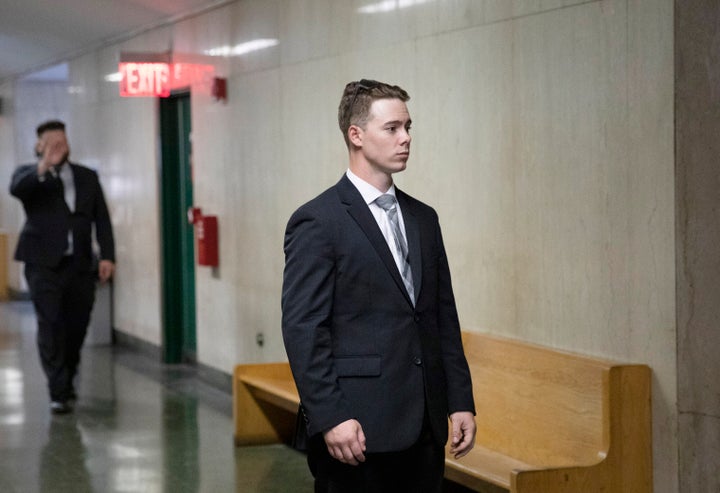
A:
{"x":539,"y":405}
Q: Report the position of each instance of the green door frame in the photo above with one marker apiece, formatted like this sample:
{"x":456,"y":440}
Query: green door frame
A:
{"x":178,"y":254}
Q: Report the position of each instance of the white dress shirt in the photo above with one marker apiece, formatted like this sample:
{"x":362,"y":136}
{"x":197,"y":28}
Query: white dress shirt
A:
{"x":369,"y":194}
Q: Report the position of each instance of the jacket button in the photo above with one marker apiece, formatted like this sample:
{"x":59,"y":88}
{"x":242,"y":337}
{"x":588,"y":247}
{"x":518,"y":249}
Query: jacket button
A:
{"x":417,"y":318}
{"x":417,"y":361}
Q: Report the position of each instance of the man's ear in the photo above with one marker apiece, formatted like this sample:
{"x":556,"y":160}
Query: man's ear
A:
{"x":355,"y":135}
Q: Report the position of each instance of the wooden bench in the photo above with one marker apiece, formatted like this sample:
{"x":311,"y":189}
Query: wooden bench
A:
{"x":548,"y":421}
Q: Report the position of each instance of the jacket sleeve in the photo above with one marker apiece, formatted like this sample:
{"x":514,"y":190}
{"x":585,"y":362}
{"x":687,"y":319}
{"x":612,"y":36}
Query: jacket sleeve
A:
{"x":457,"y":372}
{"x":103,"y":225}
{"x":25,"y":183}
{"x":307,"y":300}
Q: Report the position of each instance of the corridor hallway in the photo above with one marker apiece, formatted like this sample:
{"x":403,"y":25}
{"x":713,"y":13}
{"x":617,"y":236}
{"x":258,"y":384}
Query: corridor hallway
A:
{"x":138,"y":426}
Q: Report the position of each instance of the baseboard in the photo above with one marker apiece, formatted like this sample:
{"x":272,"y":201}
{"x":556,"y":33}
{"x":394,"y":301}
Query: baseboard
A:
{"x":136,"y":344}
{"x":212,"y":376}
{"x":215,"y":378}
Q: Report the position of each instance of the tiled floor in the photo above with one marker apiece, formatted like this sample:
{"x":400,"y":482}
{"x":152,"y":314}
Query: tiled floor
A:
{"x":138,"y":427}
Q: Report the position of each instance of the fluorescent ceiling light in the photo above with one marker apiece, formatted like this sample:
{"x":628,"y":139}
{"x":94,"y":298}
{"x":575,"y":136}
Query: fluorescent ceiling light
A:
{"x":390,"y":5}
{"x":58,"y":72}
{"x":115,"y":77}
{"x":242,"y":48}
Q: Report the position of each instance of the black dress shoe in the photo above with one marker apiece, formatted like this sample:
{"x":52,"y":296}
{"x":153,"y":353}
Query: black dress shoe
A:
{"x":60,"y":407}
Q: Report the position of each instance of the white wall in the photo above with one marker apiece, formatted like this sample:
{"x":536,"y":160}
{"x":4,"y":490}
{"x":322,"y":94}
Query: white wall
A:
{"x":25,"y":105}
{"x":543,"y":135}
{"x":119,"y":137}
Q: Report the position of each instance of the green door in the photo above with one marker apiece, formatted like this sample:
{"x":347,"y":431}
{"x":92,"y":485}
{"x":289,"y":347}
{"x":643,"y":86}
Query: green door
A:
{"x":178,"y":257}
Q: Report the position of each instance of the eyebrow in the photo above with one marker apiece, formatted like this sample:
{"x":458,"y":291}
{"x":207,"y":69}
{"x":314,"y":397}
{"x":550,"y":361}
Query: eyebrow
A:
{"x":398,"y":122}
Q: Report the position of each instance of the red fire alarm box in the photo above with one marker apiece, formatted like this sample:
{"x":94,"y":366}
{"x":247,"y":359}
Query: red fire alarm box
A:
{"x":219,"y":89}
{"x":207,"y":240}
{"x":194,"y":214}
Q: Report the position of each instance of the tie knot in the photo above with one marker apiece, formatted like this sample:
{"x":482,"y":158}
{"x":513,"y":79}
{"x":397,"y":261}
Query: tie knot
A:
{"x":386,"y":201}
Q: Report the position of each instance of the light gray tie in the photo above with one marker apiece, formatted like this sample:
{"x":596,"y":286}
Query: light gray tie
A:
{"x":389,"y":204}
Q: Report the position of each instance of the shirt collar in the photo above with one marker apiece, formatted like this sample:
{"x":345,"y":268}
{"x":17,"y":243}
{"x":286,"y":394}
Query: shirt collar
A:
{"x":64,"y":169}
{"x":369,"y":193}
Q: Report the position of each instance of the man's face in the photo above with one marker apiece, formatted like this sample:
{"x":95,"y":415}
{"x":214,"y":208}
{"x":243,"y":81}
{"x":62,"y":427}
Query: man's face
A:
{"x":54,"y":146}
{"x":386,"y":137}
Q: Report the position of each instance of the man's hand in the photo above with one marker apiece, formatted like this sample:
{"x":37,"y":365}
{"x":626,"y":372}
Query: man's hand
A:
{"x":463,"y":433}
{"x":346,"y":442}
{"x":53,"y":149}
{"x":105,"y":270}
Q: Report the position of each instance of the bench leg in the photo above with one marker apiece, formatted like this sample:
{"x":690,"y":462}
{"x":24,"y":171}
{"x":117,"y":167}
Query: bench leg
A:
{"x":258,"y":422}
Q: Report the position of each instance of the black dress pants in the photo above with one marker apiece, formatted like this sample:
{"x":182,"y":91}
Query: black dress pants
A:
{"x":419,"y":469}
{"x":63,"y":298}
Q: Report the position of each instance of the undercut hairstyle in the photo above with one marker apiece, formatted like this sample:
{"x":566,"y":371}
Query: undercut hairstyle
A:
{"x":357,"y":98}
{"x":50,"y":125}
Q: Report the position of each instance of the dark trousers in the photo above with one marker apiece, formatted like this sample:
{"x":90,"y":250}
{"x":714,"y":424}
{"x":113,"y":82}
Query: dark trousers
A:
{"x":63,"y":297}
{"x":419,"y":469}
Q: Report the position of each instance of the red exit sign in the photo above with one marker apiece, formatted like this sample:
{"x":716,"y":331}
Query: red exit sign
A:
{"x":159,"y":78}
{"x":140,"y":79}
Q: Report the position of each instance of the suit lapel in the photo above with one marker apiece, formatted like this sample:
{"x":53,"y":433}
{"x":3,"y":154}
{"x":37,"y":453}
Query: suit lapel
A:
{"x":359,"y":211}
{"x":412,"y":232}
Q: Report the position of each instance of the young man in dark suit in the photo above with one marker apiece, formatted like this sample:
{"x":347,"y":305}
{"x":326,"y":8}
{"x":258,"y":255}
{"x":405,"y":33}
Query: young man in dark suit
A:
{"x":369,"y":318}
{"x":62,"y":202}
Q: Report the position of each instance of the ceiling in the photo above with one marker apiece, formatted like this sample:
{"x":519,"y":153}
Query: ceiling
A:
{"x":36,"y":34}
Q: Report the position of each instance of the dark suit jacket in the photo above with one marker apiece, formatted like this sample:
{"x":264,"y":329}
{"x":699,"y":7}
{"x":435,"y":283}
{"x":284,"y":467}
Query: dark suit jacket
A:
{"x":356,"y":345}
{"x":43,"y":239}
